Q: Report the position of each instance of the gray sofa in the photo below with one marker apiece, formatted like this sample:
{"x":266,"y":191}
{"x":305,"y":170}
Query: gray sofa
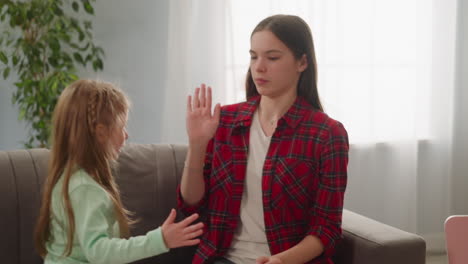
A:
{"x":148,"y":176}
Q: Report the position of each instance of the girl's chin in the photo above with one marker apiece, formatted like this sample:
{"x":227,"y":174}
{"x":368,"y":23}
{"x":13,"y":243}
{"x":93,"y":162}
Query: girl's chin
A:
{"x":116,"y":153}
{"x":265,"y":92}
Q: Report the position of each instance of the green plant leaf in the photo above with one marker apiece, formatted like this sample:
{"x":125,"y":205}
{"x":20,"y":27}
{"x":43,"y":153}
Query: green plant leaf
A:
{"x":19,"y":20}
{"x":85,"y":47}
{"x":12,"y":23}
{"x":73,"y":77}
{"x":54,"y":44}
{"x":22,"y":113}
{"x":100,"y":64}
{"x":81,"y":36}
{"x":75,"y":46}
{"x":75,"y":6}
{"x":88,"y":24}
{"x":48,"y":45}
{"x":3,"y":57}
{"x":88,"y":7}
{"x":95,"y":66}
{"x":88,"y":58}
{"x":15,"y":60}
{"x":54,"y":86}
{"x":78,"y":57}
{"x":6,"y":72}
{"x":53,"y":61}
{"x":100,"y":50}
{"x":58,"y":11}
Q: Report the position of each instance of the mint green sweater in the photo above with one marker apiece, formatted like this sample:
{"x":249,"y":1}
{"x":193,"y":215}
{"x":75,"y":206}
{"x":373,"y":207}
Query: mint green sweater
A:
{"x":96,"y":237}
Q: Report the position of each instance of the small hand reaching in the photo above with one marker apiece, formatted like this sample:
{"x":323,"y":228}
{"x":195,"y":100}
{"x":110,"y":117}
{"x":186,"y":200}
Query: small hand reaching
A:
{"x":181,"y":234}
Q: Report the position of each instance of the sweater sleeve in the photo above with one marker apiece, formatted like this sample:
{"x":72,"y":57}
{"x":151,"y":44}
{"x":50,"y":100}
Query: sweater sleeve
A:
{"x":93,"y":214}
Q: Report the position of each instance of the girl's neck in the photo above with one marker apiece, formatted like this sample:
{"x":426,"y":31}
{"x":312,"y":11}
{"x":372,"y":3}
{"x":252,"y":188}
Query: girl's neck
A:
{"x":272,"y":109}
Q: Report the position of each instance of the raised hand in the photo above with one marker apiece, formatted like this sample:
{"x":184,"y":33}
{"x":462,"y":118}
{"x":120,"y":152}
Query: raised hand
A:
{"x":200,"y":122}
{"x":181,"y":234}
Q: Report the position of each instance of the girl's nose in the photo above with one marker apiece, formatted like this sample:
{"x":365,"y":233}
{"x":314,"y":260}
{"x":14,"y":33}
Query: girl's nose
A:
{"x":260,"y":65}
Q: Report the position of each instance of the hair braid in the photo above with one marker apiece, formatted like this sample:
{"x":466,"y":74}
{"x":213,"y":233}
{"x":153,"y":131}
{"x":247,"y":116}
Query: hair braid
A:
{"x":92,"y":116}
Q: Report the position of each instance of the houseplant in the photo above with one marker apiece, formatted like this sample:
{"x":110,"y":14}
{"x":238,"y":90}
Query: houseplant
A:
{"x":42,"y":45}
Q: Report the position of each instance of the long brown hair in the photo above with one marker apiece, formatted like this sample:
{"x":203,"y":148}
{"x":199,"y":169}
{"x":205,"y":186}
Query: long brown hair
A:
{"x":296,"y":35}
{"x":81,"y":107}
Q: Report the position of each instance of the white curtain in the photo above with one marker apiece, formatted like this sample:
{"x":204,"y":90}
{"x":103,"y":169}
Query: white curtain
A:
{"x":386,"y":71}
{"x":195,"y":55}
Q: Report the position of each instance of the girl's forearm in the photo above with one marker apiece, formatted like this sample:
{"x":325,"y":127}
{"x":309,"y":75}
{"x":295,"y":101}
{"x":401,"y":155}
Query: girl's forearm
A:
{"x":193,"y":183}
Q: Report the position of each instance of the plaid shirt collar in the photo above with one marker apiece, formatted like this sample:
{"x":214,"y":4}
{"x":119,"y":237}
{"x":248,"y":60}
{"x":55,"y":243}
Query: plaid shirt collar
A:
{"x":292,"y":117}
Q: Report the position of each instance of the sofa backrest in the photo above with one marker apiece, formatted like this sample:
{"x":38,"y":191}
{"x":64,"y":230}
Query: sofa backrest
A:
{"x":22,"y":175}
{"x":148,"y":176}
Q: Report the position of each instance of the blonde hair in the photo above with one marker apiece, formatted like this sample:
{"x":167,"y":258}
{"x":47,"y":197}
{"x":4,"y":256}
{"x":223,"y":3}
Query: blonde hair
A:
{"x":81,"y":107}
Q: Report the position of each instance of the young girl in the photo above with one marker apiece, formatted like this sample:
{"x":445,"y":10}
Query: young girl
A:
{"x":269,"y":174}
{"x":82,"y":218}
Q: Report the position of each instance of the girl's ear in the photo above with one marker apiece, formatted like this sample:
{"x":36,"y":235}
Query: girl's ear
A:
{"x":101,"y":133}
{"x":302,"y":63}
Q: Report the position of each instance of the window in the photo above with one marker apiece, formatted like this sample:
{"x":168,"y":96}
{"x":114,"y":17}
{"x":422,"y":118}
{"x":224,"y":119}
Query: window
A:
{"x":374,"y":60}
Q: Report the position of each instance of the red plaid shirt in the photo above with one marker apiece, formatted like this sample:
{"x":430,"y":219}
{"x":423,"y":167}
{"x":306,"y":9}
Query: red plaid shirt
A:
{"x":303,"y":183}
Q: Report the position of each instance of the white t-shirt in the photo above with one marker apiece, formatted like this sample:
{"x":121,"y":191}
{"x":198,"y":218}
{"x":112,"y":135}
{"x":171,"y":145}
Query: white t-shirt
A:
{"x":250,"y":240}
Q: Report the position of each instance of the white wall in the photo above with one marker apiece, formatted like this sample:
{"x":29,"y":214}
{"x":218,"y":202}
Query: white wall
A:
{"x":12,"y":131}
{"x":134,"y":37}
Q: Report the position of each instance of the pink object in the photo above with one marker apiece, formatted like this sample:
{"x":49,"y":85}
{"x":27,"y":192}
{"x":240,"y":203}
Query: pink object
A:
{"x":456,"y":236}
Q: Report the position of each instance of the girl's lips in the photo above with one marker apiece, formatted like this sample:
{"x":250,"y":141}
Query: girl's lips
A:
{"x":260,"y":81}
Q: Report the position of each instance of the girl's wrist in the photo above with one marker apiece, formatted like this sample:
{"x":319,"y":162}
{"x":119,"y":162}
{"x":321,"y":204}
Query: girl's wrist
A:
{"x":195,"y":157}
{"x":193,"y":167}
{"x":197,"y":147}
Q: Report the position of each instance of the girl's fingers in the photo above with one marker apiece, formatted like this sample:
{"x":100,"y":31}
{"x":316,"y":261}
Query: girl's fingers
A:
{"x":193,"y":235}
{"x":203,"y":96}
{"x":196,"y":98}
{"x":192,"y":242}
{"x":189,"y":104}
{"x":208,"y":102}
{"x":217,"y":112}
{"x":196,"y":234}
{"x":187,"y":221}
{"x":171,"y":218}
{"x":193,"y":228}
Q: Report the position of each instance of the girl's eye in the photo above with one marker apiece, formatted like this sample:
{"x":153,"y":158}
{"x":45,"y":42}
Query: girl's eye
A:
{"x":273,"y":58}
{"x":253,"y":58}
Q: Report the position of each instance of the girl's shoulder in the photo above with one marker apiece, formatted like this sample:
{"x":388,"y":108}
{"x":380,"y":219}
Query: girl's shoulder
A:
{"x":315,"y":116}
{"x":81,"y":179}
{"x":80,"y":184}
{"x":321,"y":125}
{"x":310,"y":116}
{"x":239,"y":111}
{"x":231,"y":109}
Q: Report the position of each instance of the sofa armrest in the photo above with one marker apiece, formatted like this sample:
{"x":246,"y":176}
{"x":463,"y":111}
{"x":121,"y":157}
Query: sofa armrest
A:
{"x":369,"y":241}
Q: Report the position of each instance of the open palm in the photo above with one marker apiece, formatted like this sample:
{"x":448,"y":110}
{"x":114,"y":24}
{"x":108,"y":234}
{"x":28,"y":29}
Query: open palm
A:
{"x":201,"y":123}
